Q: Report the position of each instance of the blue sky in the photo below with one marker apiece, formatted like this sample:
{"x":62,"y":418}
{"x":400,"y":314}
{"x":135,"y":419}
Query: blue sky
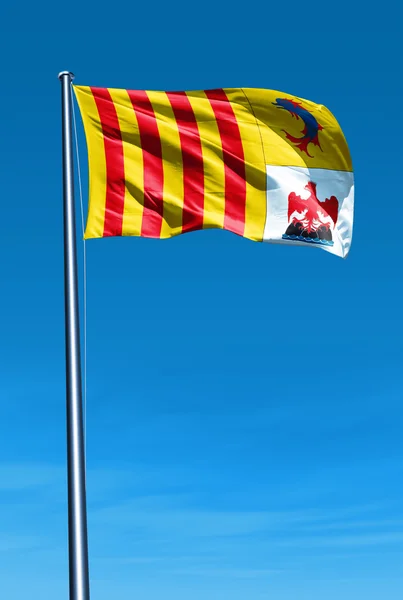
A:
{"x":228,"y":458}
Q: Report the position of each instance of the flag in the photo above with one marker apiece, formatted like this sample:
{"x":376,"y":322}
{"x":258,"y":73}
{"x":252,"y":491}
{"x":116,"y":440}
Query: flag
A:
{"x":263,"y":164}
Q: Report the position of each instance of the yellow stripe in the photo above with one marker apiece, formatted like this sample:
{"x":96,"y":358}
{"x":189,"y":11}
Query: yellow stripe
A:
{"x":173,"y":192}
{"x":133,"y":163}
{"x":255,"y":167}
{"x":96,"y":161}
{"x":214,"y":168}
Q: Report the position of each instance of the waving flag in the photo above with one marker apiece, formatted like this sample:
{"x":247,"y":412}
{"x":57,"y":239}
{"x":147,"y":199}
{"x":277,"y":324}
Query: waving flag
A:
{"x":263,"y":164}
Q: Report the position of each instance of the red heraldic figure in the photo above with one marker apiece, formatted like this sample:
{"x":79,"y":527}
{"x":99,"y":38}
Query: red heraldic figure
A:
{"x":311,"y":220}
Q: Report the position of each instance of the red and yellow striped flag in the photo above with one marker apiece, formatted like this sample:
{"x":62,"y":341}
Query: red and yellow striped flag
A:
{"x":265,"y":165}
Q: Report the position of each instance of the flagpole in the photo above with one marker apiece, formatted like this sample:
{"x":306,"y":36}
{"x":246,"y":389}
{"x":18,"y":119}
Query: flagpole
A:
{"x":77,"y":512}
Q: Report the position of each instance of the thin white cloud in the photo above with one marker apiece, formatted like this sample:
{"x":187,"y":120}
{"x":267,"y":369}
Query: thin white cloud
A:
{"x":379,"y":539}
{"x":10,"y":542}
{"x":21,"y":476}
{"x":233,"y":573}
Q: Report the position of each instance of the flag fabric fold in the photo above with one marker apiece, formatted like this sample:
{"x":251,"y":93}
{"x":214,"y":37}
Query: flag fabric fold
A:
{"x":262,"y":164}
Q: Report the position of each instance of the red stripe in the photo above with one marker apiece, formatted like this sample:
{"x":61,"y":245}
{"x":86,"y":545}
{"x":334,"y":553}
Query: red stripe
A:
{"x":115,"y":170}
{"x":192,"y":159}
{"x":152,"y":164}
{"x":234,"y":161}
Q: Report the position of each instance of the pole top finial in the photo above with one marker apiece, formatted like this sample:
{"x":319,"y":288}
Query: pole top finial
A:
{"x":69,"y":73}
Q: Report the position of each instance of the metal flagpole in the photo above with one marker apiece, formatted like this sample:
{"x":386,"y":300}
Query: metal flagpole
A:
{"x":78,"y":544}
